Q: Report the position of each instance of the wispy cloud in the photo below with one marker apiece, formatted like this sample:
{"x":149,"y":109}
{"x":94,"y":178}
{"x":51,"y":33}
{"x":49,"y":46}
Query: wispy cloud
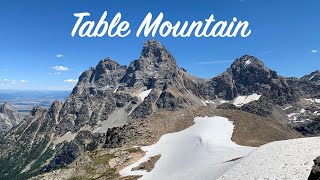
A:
{"x":267,"y":52}
{"x":314,"y":51}
{"x":71,"y":81}
{"x":242,"y":1}
{"x":214,"y":62}
{"x":57,"y":73}
{"x":59,"y":55}
{"x":60,"y":68}
{"x":11,"y":82}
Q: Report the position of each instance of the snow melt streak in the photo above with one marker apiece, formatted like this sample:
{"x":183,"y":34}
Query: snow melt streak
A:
{"x":198,"y":152}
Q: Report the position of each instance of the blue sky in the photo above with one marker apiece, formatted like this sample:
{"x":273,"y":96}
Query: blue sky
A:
{"x":38,"y":52}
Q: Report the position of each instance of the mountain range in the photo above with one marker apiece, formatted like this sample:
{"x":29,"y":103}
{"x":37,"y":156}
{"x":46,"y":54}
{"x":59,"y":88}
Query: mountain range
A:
{"x":114,"y":108}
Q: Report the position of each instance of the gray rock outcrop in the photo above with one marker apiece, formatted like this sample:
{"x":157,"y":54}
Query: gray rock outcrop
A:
{"x":9,"y":117}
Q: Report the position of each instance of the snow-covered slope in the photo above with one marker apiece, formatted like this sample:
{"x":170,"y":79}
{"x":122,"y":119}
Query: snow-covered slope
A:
{"x":198,"y":152}
{"x":290,"y":159}
{"x":242,"y":100}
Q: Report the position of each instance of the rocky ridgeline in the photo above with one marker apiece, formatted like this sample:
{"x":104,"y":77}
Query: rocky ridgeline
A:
{"x":103,"y":106}
{"x":313,"y":77}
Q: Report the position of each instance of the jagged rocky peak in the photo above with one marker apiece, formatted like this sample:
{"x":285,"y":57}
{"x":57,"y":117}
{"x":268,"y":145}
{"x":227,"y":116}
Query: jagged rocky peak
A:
{"x":153,"y":49}
{"x":11,"y":112}
{"x":250,"y":63}
{"x":108,"y":72}
{"x":9,"y":117}
{"x":155,"y":63}
{"x":247,"y":61}
{"x":252,"y":76}
{"x":37,"y":110}
{"x":85,"y":76}
{"x":107,"y":69}
{"x":55,"y":108}
{"x":155,"y":54}
{"x":248,"y":75}
{"x":313,"y":77}
{"x":105,"y":76}
{"x":250,"y":70}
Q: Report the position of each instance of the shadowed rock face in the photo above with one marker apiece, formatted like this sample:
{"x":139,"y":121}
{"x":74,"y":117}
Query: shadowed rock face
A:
{"x":315,"y":172}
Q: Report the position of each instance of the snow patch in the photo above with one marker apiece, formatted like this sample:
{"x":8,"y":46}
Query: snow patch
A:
{"x":286,"y":108}
{"x":242,"y":100}
{"x":317,"y":101}
{"x":69,"y":136}
{"x":311,"y":78}
{"x":248,"y":62}
{"x":290,"y":159}
{"x":293,"y":116}
{"x":144,"y":94}
{"x":223,"y":101}
{"x":115,"y":90}
{"x":208,"y":102}
{"x":201,"y":151}
{"x":96,"y":130}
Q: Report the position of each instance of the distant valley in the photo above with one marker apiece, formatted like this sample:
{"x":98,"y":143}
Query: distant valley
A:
{"x":25,"y":100}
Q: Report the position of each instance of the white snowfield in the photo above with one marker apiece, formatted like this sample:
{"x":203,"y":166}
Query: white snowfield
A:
{"x":290,"y":159}
{"x":144,"y":94}
{"x":238,"y":101}
{"x":242,"y":100}
{"x":198,"y":152}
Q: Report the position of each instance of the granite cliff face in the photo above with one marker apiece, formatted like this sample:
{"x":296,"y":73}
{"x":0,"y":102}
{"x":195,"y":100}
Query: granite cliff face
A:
{"x":110,"y":101}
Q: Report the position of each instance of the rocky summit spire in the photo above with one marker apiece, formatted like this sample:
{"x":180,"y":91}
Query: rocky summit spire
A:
{"x":9,"y":117}
{"x":247,"y":61}
{"x":155,"y":62}
{"x":12,"y":113}
{"x":154,"y":50}
{"x":252,"y":68}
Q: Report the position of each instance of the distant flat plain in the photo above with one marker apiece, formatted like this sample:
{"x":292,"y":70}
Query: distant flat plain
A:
{"x":25,"y":100}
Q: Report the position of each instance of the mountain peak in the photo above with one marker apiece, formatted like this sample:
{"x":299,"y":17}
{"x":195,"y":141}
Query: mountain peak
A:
{"x":12,"y":114}
{"x":108,"y":64}
{"x":247,"y":61}
{"x":6,"y":107}
{"x":154,"y":50}
{"x":313,"y":77}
